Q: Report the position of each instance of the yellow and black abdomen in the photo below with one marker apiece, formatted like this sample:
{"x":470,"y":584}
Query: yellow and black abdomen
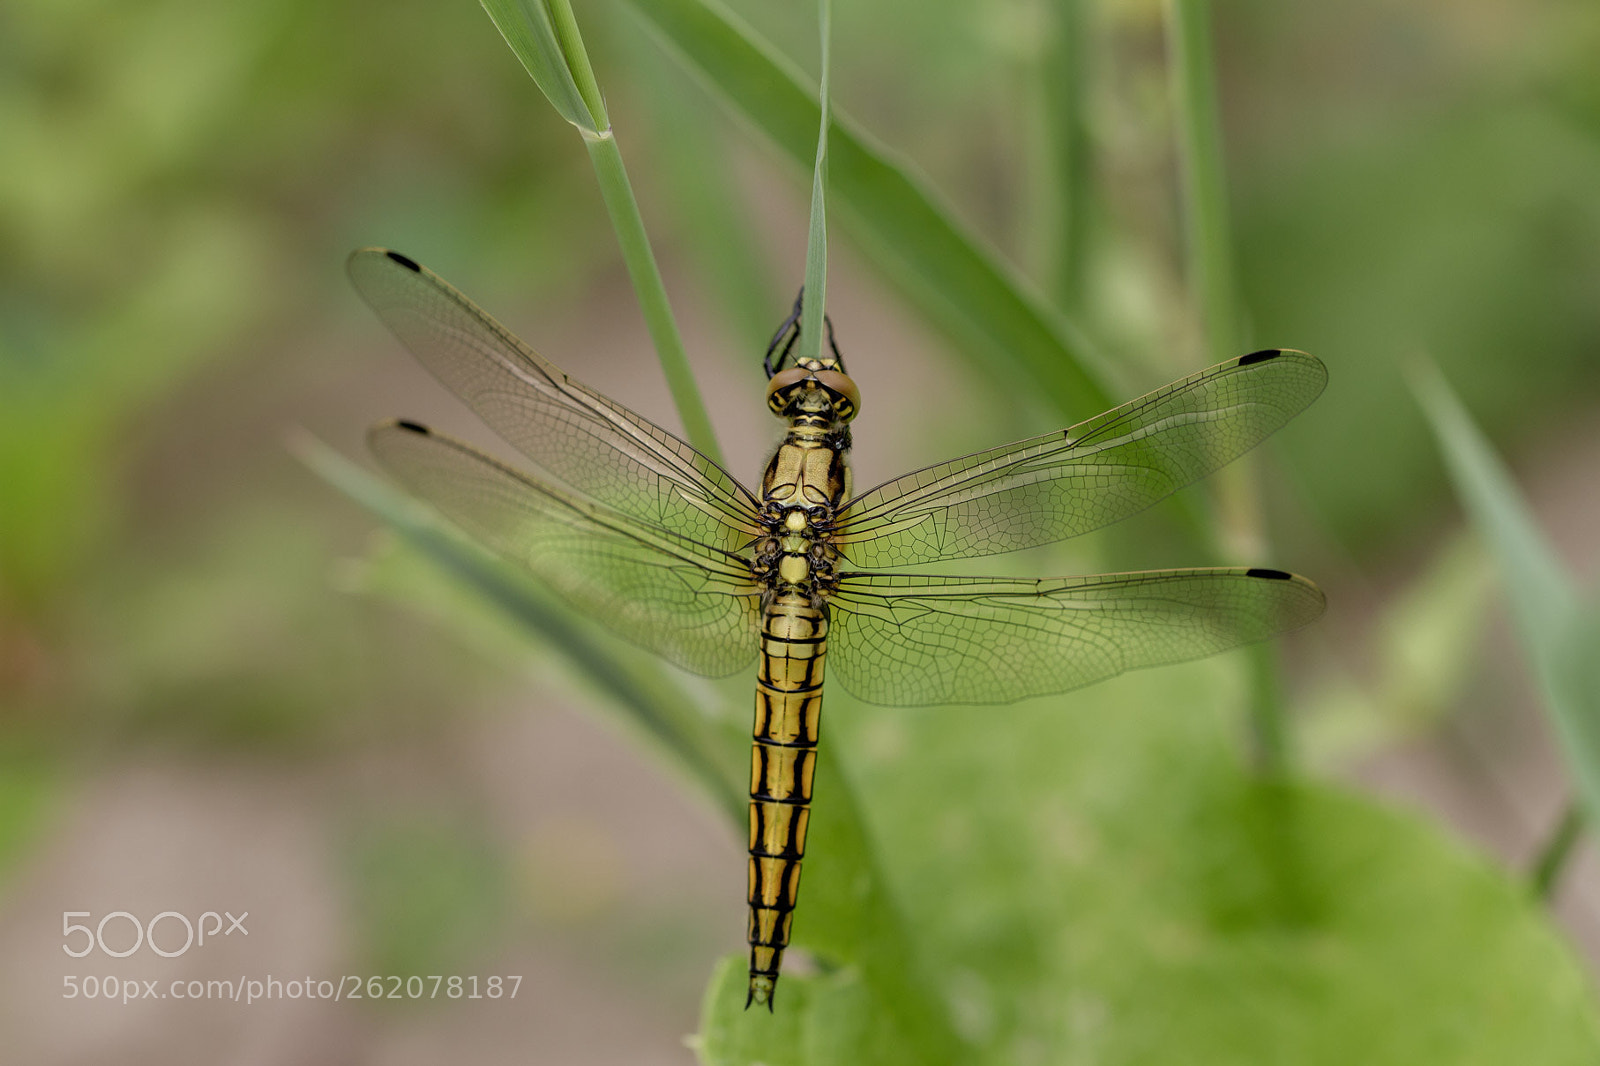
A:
{"x":805,"y":482}
{"x":783,"y":760}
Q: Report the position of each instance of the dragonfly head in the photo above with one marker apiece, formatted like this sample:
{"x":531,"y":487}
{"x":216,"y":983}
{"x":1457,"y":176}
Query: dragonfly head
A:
{"x":816,"y":387}
{"x":813,"y":390}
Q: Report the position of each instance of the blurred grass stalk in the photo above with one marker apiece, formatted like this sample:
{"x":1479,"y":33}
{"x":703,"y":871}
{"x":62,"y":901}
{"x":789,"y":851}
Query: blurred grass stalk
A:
{"x":1552,"y":856}
{"x":1555,"y":629}
{"x":1209,"y":268}
{"x":1055,"y":226}
{"x":544,"y":36}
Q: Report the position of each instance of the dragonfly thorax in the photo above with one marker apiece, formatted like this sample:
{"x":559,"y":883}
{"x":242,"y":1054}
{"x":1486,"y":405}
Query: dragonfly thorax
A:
{"x":802,"y":489}
{"x":800,"y":561}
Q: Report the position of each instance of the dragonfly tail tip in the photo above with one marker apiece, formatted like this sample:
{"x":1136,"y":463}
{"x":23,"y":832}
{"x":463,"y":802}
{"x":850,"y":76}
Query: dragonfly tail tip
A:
{"x":762,"y":987}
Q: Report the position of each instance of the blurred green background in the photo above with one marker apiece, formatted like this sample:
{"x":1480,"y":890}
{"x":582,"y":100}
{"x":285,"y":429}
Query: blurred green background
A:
{"x":219,"y":684}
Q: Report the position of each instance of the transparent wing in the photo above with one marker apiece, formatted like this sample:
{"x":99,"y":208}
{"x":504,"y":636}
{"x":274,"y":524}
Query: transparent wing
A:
{"x":917,"y":639}
{"x":692,"y":603}
{"x":595,"y":446}
{"x":1062,"y":484}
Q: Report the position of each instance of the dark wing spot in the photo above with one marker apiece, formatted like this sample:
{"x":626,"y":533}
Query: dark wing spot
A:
{"x":411,"y":264}
{"x":1244,"y":360}
{"x":415,"y":427}
{"x":1270,"y":575}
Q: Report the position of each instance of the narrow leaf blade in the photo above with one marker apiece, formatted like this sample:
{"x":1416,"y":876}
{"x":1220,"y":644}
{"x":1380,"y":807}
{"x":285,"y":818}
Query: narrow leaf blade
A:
{"x":1545,"y":609}
{"x":526,"y":27}
{"x":685,"y":733}
{"x":811,"y":314}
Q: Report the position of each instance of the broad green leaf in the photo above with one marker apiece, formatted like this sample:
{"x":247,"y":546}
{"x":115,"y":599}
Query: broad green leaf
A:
{"x":1544,"y":601}
{"x":1094,"y":880}
{"x":875,"y":1004}
{"x":836,"y":1018}
{"x":958,"y":283}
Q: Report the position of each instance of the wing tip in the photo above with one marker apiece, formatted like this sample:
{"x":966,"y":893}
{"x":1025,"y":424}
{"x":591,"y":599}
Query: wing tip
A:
{"x":1312,"y":604}
{"x":1306,"y":362}
{"x":378,"y":252}
{"x":1259,"y":357}
{"x":1269,"y":574}
{"x":1293,"y":355}
{"x":405,"y":425}
{"x":404,"y":260}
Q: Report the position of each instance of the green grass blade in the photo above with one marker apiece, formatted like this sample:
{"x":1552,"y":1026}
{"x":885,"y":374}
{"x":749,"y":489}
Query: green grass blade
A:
{"x":956,"y":282}
{"x":817,"y":235}
{"x":695,"y":169}
{"x":1550,"y":623}
{"x":687,"y":735}
{"x":1208,"y":244}
{"x":651,"y":292}
{"x":577,"y":56}
{"x":1055,"y":227}
{"x":527,"y":27}
{"x":544,"y":35}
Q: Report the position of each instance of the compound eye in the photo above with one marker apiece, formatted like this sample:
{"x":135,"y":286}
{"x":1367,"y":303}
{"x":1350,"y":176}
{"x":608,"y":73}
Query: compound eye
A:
{"x":783,"y":383}
{"x":846,"y":397}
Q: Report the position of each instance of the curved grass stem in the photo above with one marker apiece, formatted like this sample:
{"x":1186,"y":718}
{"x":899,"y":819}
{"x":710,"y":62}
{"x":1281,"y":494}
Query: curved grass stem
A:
{"x":543,"y":34}
{"x":648,"y":287}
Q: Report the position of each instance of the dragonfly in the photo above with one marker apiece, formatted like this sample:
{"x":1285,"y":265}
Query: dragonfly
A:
{"x":637,"y":529}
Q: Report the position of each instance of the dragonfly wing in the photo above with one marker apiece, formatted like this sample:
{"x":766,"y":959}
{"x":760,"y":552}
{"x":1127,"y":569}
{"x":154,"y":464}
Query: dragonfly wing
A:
{"x":584,"y":440}
{"x":694,"y":604}
{"x":917,"y":639}
{"x":1062,"y":484}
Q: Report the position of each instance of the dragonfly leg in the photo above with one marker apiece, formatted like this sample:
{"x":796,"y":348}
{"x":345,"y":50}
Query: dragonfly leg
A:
{"x":789,"y":332}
